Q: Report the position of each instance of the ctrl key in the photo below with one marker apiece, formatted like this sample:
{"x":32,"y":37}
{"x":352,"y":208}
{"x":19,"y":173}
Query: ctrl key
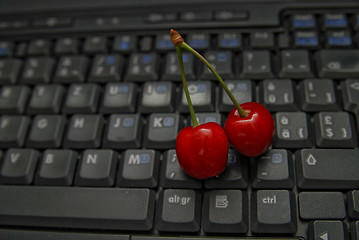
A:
{"x":178,"y":210}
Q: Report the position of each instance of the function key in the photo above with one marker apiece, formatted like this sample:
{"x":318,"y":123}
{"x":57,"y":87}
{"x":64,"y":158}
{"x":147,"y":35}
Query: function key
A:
{"x":52,"y":22}
{"x":335,"y":20}
{"x":95,"y":44}
{"x":198,"y":41}
{"x":6,"y":49}
{"x":66,"y":46}
{"x":195,"y":16}
{"x":161,"y":17}
{"x":4,"y":25}
{"x":306,"y":39}
{"x":229,"y":40}
{"x":303,"y":21}
{"x":340,"y":38}
{"x":124,"y":44}
{"x":230,"y":15}
{"x":262,"y":40}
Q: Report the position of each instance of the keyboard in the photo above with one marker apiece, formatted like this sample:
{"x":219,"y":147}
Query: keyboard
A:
{"x":91,"y":101}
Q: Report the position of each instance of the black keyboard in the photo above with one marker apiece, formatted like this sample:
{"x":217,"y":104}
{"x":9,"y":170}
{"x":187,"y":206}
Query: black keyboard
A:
{"x":91,"y":101}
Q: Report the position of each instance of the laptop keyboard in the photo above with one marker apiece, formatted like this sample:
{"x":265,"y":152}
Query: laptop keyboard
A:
{"x":89,"y":122}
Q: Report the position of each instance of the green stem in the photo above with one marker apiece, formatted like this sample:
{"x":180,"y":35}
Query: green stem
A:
{"x":185,"y":87}
{"x":241,"y":112}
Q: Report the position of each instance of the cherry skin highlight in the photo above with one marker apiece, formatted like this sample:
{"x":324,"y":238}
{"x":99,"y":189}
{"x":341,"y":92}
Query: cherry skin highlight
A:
{"x":202,"y":151}
{"x":251,"y":135}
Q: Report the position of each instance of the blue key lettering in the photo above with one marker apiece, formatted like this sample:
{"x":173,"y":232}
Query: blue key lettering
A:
{"x":144,"y":158}
{"x":198,"y":43}
{"x":222,"y":57}
{"x":201,"y":88}
{"x":230,"y":43}
{"x":164,"y":44}
{"x":3,"y":51}
{"x":161,"y":88}
{"x":123,"y":89}
{"x":340,"y":41}
{"x":185,"y":57}
{"x":300,"y":41}
{"x":168,"y":121}
{"x":335,"y":22}
{"x":110,"y":60}
{"x":124,"y":45}
{"x":232,"y":158}
{"x":242,"y":87}
{"x":210,"y":119}
{"x":277,"y":158}
{"x":128,"y":122}
{"x":146,"y":58}
{"x":308,"y":23}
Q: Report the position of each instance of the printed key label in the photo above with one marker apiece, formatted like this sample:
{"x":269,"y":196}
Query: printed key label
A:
{"x":222,"y":201}
{"x":176,"y":199}
{"x":270,"y":200}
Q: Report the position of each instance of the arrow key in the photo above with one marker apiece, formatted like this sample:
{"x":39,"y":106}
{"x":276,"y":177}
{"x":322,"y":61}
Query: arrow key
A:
{"x":327,"y":230}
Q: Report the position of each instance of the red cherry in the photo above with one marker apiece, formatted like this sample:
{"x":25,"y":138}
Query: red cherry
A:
{"x":251,"y":135}
{"x":202,"y":151}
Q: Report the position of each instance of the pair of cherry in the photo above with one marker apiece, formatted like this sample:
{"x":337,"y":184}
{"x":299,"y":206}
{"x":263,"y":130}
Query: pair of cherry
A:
{"x":202,"y":150}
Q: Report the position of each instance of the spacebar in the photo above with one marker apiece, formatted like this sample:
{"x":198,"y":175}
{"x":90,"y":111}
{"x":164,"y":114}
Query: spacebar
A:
{"x":74,"y":207}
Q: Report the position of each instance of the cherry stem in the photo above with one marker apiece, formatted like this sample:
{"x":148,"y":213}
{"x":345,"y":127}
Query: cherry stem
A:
{"x":185,"y":87}
{"x":241,"y":112}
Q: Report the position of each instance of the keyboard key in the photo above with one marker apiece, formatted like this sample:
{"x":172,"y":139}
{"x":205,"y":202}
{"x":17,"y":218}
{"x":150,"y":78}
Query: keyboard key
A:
{"x":195,"y":16}
{"x":350,"y":89}
{"x":161,"y":130}
{"x":274,"y":169}
{"x":123,"y":131}
{"x":9,"y":70}
{"x":295,"y":64}
{"x":172,"y":70}
{"x":46,"y":131}
{"x":37,"y":70}
{"x":262,"y":40}
{"x":355,"y":230}
{"x":13,"y":130}
{"x":146,"y":43}
{"x":221,"y":61}
{"x":46,"y":99}
{"x":318,"y":168}
{"x":198,"y":41}
{"x":178,"y":210}
{"x":39,"y":47}
{"x":207,"y":117}
{"x":13,"y":99}
{"x":340,"y":38}
{"x":225,"y":211}
{"x":303,"y":21}
{"x":172,"y":174}
{"x":71,"y":69}
{"x":321,"y":205}
{"x":142,"y":67}
{"x":6,"y":48}
{"x":292,"y":130}
{"x":82,"y":98}
{"x":334,"y":63}
{"x":95,"y":44}
{"x":323,"y":230}
{"x":318,"y":95}
{"x":57,"y":168}
{"x":164,"y":42}
{"x":230,"y":40}
{"x":157,"y":97}
{"x":333,"y":129}
{"x":273,"y":211}
{"x":119,"y":98}
{"x":256,"y":64}
{"x":139,"y":168}
{"x":66,"y":46}
{"x":19,"y":166}
{"x":242,"y":90}
{"x":84,"y":131}
{"x":306,"y":39}
{"x":97,"y":168}
{"x":335,"y":20}
{"x":353,"y":203}
{"x":278,"y":95}
{"x":121,"y":209}
{"x":202,"y":97}
{"x":106,"y":68}
{"x":124,"y":44}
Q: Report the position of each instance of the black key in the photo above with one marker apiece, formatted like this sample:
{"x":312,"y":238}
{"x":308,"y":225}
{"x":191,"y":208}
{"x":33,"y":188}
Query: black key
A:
{"x":202,"y":95}
{"x":84,"y":131}
{"x":142,"y":67}
{"x":194,"y":16}
{"x":9,"y":70}
{"x":262,"y":40}
{"x":37,"y":70}
{"x":19,"y":166}
{"x":21,"y":49}
{"x":173,"y":176}
{"x":284,"y":40}
{"x":207,"y":117}
{"x":256,"y":64}
{"x":303,"y":21}
{"x":292,"y":130}
{"x":146,"y":44}
{"x":163,"y":42}
{"x":234,"y":176}
{"x":306,"y":39}
{"x":161,"y":130}
{"x":278,"y":95}
{"x":97,"y":168}
{"x":172,"y":70}
{"x":82,"y":98}
{"x":46,"y":99}
{"x":198,"y":41}
{"x":157,"y":97}
{"x":66,"y":46}
{"x":273,"y":211}
{"x":221,"y":61}
{"x":121,"y":209}
{"x":6,"y":49}
{"x":318,"y":95}
{"x":333,"y":129}
{"x":230,"y":15}
{"x":124,"y":44}
{"x":13,"y":99}
{"x":57,"y":168}
{"x":318,"y":168}
{"x":119,"y":98}
{"x":334,"y":63}
{"x":230,"y":40}
{"x":355,"y":230}
{"x":95,"y":44}
{"x":71,"y":69}
{"x":178,"y":210}
{"x":242,"y":90}
{"x":350,"y":88}
{"x":13,"y":130}
{"x":39,"y":47}
{"x":338,"y":38}
{"x":139,"y":168}
{"x":321,"y":205}
{"x":274,"y":169}
{"x":335,"y":20}
{"x":353,"y":203}
{"x":295,"y":64}
{"x":106,"y":68}
{"x":225,"y":211}
{"x":326,"y":230}
{"x":123,"y":131}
